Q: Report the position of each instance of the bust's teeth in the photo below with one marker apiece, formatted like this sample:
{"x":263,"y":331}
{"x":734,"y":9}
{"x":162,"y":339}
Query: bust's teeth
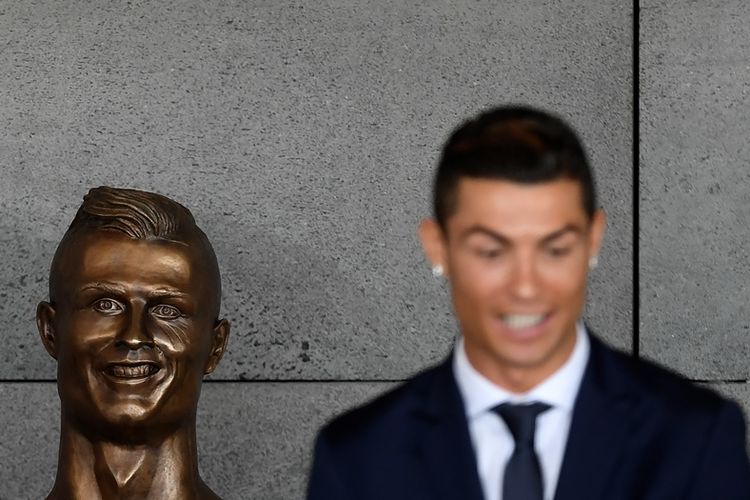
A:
{"x":132,"y":371}
{"x":522,"y":320}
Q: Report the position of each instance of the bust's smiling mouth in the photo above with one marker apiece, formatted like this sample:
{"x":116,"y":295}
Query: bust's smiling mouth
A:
{"x":132,"y":370}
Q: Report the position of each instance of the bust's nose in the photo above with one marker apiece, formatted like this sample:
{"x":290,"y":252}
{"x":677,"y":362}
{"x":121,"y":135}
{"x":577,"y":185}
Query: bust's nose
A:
{"x":134,"y":334}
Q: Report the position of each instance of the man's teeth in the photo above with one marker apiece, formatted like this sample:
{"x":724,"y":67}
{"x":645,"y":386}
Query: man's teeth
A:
{"x":133,"y":371}
{"x":523,"y":320}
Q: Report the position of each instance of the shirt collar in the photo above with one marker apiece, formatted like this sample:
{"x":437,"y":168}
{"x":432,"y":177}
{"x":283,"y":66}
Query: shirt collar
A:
{"x":558,"y":390}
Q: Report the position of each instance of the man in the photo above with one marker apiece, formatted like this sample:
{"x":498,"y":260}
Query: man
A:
{"x":530,"y":405}
{"x":133,"y":324}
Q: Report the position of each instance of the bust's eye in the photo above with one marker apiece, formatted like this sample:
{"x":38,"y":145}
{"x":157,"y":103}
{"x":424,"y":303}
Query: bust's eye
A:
{"x":164,"y":311}
{"x":108,"y":306}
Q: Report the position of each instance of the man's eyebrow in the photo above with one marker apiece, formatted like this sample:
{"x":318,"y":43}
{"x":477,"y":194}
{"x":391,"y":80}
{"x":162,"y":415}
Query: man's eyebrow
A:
{"x":568,"y":229}
{"x":477,"y":229}
{"x":500,"y":238}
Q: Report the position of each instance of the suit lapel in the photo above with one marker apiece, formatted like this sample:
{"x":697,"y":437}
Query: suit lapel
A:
{"x":602,"y":422}
{"x":445,"y":445}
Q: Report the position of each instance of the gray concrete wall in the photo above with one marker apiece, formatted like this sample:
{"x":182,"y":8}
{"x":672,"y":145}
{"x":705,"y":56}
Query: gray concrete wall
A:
{"x":695,"y":190}
{"x":303,"y":136}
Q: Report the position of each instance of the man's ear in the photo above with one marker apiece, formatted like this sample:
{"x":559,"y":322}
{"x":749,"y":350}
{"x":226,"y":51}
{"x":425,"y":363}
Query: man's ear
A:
{"x":596,"y":232}
{"x":218,"y":345}
{"x":45,"y":323}
{"x":433,"y":244}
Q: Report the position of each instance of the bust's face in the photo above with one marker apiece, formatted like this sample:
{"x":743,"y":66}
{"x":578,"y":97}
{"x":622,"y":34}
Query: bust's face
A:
{"x":134,"y":332}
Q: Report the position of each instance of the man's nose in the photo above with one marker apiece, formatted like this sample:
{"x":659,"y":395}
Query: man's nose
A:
{"x":134,"y":332}
{"x":525,"y":281}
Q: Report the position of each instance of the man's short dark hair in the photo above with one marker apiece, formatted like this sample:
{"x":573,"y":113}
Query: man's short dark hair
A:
{"x":514,"y":143}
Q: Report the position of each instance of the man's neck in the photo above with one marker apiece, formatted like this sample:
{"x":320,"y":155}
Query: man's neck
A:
{"x":89,"y":468}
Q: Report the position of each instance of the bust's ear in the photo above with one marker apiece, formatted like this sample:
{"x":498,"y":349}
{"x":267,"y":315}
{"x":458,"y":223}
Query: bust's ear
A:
{"x":45,"y":323}
{"x":220,"y":335}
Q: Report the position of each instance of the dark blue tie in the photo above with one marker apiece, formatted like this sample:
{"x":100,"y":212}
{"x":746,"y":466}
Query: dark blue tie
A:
{"x":523,"y":477}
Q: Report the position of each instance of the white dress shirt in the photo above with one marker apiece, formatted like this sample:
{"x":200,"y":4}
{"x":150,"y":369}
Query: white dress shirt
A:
{"x":492,"y":441}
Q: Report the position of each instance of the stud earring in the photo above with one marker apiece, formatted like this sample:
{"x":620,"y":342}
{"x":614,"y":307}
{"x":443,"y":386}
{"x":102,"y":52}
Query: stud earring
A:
{"x":437,"y":270}
{"x":593,"y":262}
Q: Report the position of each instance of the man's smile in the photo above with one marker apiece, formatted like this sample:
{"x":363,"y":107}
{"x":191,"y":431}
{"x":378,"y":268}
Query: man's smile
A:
{"x":520,"y":321}
{"x":524,"y":327}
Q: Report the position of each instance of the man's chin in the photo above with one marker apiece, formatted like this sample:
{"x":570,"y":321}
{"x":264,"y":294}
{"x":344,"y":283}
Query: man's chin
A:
{"x":522,"y":355}
{"x":537,"y":357}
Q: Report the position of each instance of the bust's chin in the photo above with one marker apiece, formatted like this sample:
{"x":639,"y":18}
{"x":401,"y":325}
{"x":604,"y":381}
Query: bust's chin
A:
{"x":131,"y":424}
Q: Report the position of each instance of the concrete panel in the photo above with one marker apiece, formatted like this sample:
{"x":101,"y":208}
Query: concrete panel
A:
{"x":695,"y":201}
{"x":303,"y":136}
{"x":254,"y":439}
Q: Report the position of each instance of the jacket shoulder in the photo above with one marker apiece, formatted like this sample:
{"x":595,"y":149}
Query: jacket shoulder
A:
{"x":385,"y":415}
{"x":659,"y":385}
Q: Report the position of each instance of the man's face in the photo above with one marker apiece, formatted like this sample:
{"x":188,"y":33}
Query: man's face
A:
{"x":133,"y":330}
{"x":516,"y":256}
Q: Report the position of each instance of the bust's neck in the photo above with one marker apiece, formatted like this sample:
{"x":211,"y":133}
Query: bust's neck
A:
{"x":165,"y":468}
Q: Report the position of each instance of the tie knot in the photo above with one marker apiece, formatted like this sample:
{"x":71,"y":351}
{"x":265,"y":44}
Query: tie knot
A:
{"x":521,"y":419}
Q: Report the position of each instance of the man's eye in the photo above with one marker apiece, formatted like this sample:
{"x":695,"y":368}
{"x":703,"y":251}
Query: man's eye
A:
{"x":558,"y":251}
{"x":108,"y":306}
{"x":487,"y":253}
{"x":164,"y":311}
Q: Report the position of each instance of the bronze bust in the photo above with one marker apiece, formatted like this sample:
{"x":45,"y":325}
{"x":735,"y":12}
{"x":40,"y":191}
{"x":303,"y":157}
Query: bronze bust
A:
{"x":133,"y":323}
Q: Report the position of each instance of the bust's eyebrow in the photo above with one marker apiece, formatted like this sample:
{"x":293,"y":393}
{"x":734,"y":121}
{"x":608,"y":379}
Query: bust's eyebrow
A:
{"x":168,"y":292}
{"x":102,"y":287}
{"x":112,"y":289}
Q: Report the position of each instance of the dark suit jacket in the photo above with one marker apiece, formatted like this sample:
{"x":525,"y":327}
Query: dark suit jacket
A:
{"x":638,"y":432}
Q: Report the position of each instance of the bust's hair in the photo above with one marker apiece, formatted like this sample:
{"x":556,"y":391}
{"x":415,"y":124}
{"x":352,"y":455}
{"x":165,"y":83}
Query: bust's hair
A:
{"x":138,"y":214}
